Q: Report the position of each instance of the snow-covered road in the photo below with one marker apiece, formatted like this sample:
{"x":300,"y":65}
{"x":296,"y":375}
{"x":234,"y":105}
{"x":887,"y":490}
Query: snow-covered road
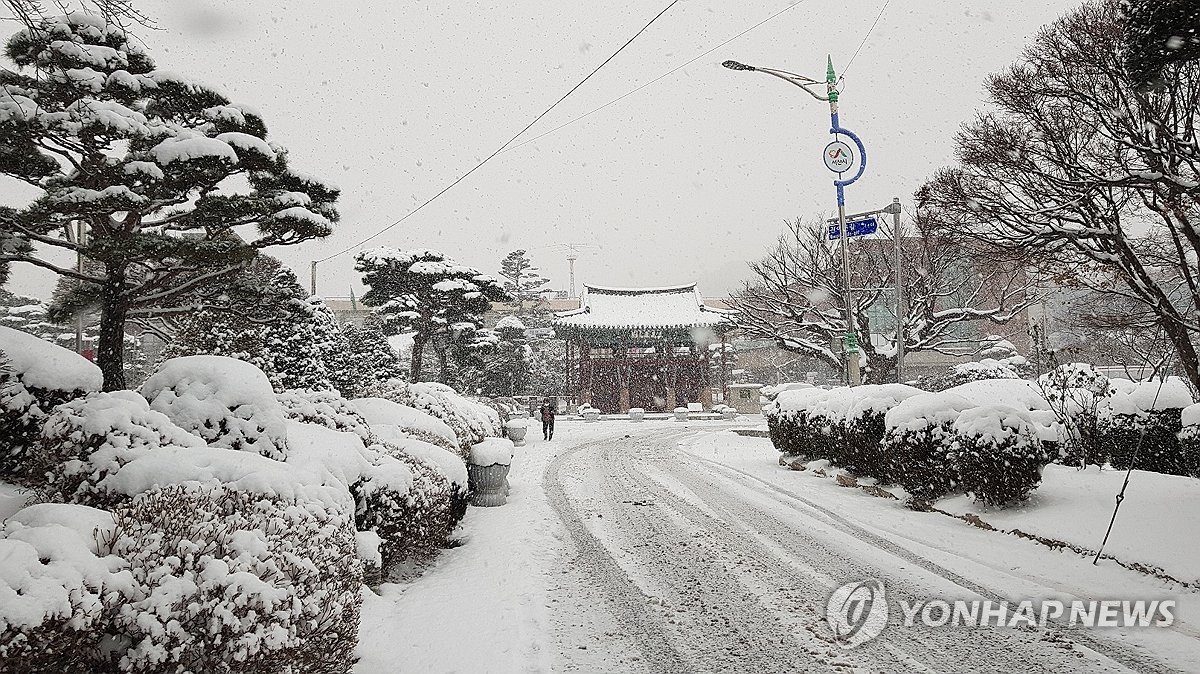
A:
{"x":631,"y":548}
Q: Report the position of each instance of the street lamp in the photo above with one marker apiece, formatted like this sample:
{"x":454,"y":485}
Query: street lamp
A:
{"x":838,"y":158}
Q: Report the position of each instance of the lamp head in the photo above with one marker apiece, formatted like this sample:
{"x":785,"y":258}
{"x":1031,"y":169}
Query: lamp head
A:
{"x":734,"y":65}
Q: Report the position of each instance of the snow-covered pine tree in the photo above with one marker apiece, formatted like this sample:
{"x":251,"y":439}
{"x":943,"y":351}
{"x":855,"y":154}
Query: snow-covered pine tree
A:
{"x":281,"y":334}
{"x":521,"y":279}
{"x":506,"y":371}
{"x":370,"y":354}
{"x":142,"y":159}
{"x":430,"y":295}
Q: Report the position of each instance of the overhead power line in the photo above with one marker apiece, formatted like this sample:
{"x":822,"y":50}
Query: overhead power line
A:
{"x":864,"y":40}
{"x":662,"y":76}
{"x":507,"y":143}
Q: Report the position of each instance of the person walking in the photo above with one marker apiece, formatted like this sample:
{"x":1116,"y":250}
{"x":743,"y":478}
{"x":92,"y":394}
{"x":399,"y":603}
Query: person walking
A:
{"x":548,"y":410}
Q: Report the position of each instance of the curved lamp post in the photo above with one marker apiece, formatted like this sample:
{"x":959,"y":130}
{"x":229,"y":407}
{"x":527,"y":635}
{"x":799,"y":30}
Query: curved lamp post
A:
{"x":850,"y":341}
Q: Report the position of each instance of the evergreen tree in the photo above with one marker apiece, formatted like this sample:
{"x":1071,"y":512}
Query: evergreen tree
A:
{"x":294,"y":339}
{"x":521,"y":279}
{"x":430,"y":295}
{"x":372,"y":358}
{"x":141,"y":161}
{"x":506,"y":371}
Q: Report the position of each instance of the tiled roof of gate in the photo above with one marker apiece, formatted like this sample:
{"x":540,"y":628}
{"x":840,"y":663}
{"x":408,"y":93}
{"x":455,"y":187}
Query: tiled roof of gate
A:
{"x":641,"y":308}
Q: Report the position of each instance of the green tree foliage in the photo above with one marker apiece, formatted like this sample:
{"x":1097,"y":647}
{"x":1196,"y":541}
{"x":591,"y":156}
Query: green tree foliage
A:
{"x":294,"y":339}
{"x":521,"y":278}
{"x":175,"y":187}
{"x":430,"y":295}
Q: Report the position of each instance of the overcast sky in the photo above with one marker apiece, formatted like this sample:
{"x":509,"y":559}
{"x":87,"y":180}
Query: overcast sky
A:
{"x":682,"y":181}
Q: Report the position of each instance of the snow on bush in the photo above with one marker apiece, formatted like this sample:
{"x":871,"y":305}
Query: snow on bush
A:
{"x":1147,"y":417}
{"x":492,"y":451}
{"x":48,"y":367}
{"x":1189,"y":437}
{"x":447,"y":464}
{"x":225,"y":401}
{"x":406,"y":503}
{"x":55,"y":589}
{"x":380,"y":411}
{"x":35,"y":375}
{"x":86,"y":440}
{"x":918,"y":438}
{"x":226,"y":576}
{"x":471,"y":421}
{"x":997,"y":454}
{"x":1075,"y":393}
{"x":325,"y":408}
{"x":843,"y":425}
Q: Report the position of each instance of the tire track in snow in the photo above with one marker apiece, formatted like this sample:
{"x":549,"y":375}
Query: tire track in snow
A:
{"x":803,"y":506}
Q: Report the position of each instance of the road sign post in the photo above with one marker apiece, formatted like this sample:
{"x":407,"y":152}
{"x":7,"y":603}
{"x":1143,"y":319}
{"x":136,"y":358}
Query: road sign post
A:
{"x":839,"y":158}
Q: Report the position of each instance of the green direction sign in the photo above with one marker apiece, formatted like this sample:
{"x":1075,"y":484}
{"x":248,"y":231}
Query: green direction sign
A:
{"x":851,"y":341}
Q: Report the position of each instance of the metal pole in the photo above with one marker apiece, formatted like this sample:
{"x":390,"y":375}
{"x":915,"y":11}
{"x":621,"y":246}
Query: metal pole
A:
{"x":80,"y":240}
{"x":899,"y":292}
{"x":313,"y":278}
{"x":853,"y":377}
{"x":571,"y":261}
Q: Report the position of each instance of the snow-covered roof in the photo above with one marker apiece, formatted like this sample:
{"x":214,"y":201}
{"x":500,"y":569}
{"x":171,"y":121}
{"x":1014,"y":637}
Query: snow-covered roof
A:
{"x":673,"y":307}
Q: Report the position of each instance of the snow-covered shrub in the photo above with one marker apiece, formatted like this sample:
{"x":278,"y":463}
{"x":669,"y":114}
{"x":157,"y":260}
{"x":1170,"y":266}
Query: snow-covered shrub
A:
{"x":446,"y":463}
{"x":1075,"y":393}
{"x":918,"y":439}
{"x":35,"y":375}
{"x":227,"y":402}
{"x":843,"y":425}
{"x":860,"y":426}
{"x":225,"y":576}
{"x":86,"y":440}
{"x":385,"y":412}
{"x":1189,"y":438}
{"x":792,"y":429}
{"x":1149,"y":413}
{"x":471,"y":421}
{"x":55,"y":589}
{"x":997,"y":454}
{"x":325,"y":408}
{"x":405,"y":502}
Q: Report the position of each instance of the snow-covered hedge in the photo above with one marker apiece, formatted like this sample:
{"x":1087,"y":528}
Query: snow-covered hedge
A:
{"x":35,"y":375}
{"x":56,"y":590}
{"x":843,"y":425}
{"x":381,"y":411}
{"x":1189,"y":437}
{"x":996,"y":453}
{"x":325,"y":408}
{"x":187,"y":577}
{"x":918,"y":441}
{"x":446,"y":463}
{"x":405,"y":502}
{"x":85,"y":441}
{"x":1150,"y":413}
{"x":227,"y":402}
{"x":1076,"y":392}
{"x":471,"y":421}
{"x":223,"y":576}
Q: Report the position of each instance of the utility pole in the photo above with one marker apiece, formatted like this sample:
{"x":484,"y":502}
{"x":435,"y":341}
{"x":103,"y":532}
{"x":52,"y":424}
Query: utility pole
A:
{"x":313,"y":278}
{"x":571,"y":260}
{"x":894,"y":209}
